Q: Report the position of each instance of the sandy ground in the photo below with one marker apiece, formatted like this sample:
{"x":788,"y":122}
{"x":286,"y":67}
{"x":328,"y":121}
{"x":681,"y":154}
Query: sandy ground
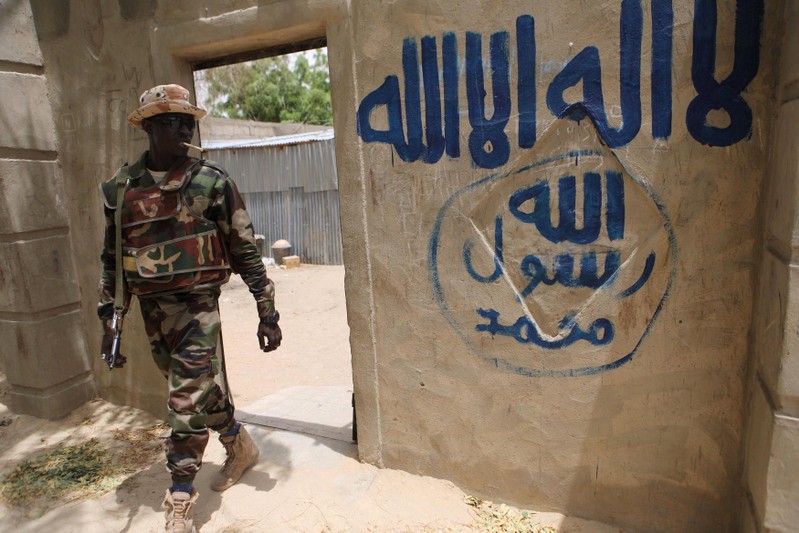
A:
{"x":301,"y":482}
{"x":316,"y":345}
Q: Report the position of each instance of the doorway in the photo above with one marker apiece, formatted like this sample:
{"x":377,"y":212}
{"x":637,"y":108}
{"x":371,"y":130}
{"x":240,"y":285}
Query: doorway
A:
{"x":306,"y":385}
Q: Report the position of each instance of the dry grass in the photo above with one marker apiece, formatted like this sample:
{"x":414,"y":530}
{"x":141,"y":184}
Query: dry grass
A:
{"x":71,"y":472}
{"x":493,"y":518}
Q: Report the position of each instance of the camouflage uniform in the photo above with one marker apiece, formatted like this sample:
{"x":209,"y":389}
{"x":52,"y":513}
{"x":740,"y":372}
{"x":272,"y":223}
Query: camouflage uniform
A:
{"x":181,"y":238}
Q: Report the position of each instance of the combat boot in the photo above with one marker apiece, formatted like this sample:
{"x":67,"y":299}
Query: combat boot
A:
{"x":179,"y":507}
{"x":242,"y":453}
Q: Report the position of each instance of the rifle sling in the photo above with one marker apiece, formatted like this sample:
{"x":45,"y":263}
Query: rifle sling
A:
{"x":119,"y":286}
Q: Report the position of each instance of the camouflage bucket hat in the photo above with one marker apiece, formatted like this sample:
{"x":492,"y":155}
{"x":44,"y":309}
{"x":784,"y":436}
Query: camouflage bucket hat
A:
{"x":164,"y":99}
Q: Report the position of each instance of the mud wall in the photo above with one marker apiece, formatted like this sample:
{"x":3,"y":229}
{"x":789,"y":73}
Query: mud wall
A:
{"x":100,"y":55}
{"x":550,"y":217}
{"x":97,"y":59}
{"x":772,"y":443}
{"x":42,"y":336}
{"x":558,"y":204}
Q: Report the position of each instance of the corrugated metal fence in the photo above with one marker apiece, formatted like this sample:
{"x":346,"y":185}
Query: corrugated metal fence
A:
{"x":290,"y":187}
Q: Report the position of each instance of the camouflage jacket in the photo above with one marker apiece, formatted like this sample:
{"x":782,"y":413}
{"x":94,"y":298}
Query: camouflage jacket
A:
{"x":183,"y":234}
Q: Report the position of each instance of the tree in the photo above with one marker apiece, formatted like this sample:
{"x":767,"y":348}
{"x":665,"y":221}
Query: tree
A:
{"x":273,"y":90}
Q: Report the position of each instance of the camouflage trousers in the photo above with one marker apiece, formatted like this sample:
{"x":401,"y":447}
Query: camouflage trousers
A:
{"x":184,"y":333}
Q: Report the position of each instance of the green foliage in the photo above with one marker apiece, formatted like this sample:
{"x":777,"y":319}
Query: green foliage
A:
{"x":271,"y":90}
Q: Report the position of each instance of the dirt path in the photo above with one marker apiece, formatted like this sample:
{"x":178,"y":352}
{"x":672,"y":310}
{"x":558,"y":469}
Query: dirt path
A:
{"x":301,"y":483}
{"x":313,"y":317}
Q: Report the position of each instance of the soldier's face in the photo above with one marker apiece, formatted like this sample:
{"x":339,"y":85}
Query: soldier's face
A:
{"x":169,"y":131}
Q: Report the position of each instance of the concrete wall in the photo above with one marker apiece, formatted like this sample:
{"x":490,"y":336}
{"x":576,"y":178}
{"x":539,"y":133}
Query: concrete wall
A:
{"x":41,"y":327}
{"x":578,"y":344}
{"x":772,"y":453}
{"x":97,"y":57}
{"x":100,"y":56}
{"x":490,"y":348}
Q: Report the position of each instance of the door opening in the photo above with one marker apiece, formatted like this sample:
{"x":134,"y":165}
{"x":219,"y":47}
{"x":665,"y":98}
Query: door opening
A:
{"x":270,"y":126}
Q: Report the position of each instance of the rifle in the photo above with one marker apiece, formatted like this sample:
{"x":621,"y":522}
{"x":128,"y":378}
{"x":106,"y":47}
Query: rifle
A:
{"x":119,"y":288}
{"x":116,"y":328}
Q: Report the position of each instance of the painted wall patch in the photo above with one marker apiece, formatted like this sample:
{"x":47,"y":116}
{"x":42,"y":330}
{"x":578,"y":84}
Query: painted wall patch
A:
{"x":558,"y":267}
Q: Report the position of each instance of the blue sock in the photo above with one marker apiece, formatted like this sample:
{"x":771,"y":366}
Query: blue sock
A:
{"x":233,"y":431}
{"x":182,"y":487}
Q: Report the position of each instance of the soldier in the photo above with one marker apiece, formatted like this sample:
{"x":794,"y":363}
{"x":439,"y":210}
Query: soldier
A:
{"x":176,"y":227}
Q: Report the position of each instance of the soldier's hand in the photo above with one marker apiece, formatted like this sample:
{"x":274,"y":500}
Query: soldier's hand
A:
{"x":269,"y":336}
{"x":106,"y":344}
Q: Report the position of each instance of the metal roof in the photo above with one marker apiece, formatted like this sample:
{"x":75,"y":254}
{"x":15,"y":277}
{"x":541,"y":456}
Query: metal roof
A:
{"x":280,"y":163}
{"x":285,"y":140}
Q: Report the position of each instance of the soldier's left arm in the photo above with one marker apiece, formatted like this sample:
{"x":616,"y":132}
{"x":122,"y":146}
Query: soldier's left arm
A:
{"x":236,"y":229}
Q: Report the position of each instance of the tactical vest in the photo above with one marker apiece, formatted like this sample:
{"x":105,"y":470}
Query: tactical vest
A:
{"x":165,"y":246}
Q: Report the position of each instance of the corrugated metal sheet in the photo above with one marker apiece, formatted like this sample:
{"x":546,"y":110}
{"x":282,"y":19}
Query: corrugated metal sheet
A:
{"x":291,"y":192}
{"x":309,"y":221}
{"x":283,"y":140}
{"x":311,"y":165}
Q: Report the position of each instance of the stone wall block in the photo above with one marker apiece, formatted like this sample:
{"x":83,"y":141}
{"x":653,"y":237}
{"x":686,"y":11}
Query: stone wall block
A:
{"x":25,"y":117}
{"x":786,"y":391}
{"x":780,"y":200}
{"x":782,"y":507}
{"x":789,"y":69}
{"x":31,"y":196}
{"x":37,"y":275}
{"x":20,"y":44}
{"x":758,"y":448}
{"x":45,"y":349}
{"x":776,"y":331}
{"x":53,"y":403}
{"x":769,"y":317}
{"x":748,"y":524}
{"x":49,"y":375}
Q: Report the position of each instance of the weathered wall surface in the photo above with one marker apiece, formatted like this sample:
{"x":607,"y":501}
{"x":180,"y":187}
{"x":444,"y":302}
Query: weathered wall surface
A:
{"x":558,"y":308}
{"x":97,"y":56}
{"x":772,"y":454}
{"x":100,"y":56}
{"x":40,"y":319}
{"x":548,"y":303}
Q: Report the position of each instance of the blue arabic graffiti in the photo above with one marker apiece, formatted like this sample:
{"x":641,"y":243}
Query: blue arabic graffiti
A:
{"x":662,"y":44}
{"x":587,"y":67}
{"x":567,"y":199}
{"x":726,"y":94}
{"x":576,"y":265}
{"x":533,"y":268}
{"x":525,"y":330}
{"x":566,"y":230}
{"x":489,"y":145}
{"x":563,"y":272}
